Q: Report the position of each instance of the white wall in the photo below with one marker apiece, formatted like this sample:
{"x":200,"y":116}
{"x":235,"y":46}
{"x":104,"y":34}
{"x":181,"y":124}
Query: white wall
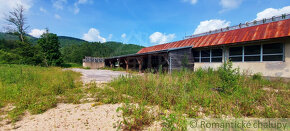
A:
{"x":272,"y":69}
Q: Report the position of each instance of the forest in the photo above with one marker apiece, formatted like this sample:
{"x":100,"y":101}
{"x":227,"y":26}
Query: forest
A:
{"x":73,"y":50}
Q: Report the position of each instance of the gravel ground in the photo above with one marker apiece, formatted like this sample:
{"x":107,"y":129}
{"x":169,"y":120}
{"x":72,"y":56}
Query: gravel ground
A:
{"x":98,"y":76}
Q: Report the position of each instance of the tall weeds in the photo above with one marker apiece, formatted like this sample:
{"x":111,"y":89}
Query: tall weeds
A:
{"x":34,"y":88}
{"x":205,"y":92}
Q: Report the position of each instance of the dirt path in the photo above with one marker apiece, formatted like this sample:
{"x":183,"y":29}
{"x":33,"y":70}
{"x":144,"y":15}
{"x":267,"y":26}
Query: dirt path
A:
{"x":98,"y":76}
{"x":75,"y":117}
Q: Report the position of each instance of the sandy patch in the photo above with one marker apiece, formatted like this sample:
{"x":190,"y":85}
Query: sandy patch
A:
{"x":70,"y":117}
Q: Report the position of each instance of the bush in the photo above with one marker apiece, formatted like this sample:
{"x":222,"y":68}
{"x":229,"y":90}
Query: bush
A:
{"x":257,"y":76}
{"x":174,"y":122}
{"x":9,"y":58}
{"x":135,"y":117}
{"x":229,"y":77}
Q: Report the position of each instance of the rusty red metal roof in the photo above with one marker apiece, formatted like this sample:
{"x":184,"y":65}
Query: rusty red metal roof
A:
{"x":259,"y":32}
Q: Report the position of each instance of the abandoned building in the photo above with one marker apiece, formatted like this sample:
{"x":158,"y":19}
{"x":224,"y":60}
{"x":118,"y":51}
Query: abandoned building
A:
{"x":93,"y":62}
{"x":259,"y":46}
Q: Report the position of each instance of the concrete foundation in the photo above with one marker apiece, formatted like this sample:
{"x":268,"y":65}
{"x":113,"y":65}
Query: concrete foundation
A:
{"x":94,"y":65}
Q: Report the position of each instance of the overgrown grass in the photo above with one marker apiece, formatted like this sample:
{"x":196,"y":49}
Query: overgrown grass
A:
{"x":36,"y":89}
{"x":114,"y":69}
{"x":130,"y":71}
{"x":72,"y":65}
{"x":203,"y":93}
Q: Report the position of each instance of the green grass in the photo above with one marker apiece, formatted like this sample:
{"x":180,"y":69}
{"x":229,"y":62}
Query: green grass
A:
{"x":72,"y":65}
{"x":36,"y":89}
{"x":213,"y":93}
{"x":114,"y":69}
{"x":130,"y":71}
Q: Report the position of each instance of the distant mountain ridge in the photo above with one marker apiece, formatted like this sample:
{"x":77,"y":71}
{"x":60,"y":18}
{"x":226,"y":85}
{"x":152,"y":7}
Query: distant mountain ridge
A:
{"x":64,"y":40}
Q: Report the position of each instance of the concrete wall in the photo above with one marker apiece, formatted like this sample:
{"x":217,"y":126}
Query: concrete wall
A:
{"x":271,"y":69}
{"x":94,"y":65}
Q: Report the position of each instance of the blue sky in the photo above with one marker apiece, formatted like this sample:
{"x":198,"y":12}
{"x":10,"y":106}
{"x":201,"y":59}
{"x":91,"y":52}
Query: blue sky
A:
{"x":142,"y":22}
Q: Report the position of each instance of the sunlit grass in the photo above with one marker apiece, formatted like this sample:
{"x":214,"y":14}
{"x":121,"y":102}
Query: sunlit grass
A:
{"x":36,"y":89}
{"x":204,"y":93}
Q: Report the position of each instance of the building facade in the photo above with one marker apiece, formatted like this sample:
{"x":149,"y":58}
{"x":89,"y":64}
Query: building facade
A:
{"x":257,"y":47}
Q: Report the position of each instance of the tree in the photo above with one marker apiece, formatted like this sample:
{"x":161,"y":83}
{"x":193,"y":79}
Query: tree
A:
{"x":27,"y":52}
{"x":50,"y":46}
{"x":16,"y":18}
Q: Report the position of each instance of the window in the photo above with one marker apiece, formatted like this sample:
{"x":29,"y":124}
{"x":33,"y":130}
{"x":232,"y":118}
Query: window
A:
{"x":269,"y":52}
{"x":212,"y":55}
{"x":273,"y":52}
{"x":236,"y":54}
{"x":216,"y":55}
{"x":205,"y":55}
{"x":196,"y":56}
{"x":252,"y":53}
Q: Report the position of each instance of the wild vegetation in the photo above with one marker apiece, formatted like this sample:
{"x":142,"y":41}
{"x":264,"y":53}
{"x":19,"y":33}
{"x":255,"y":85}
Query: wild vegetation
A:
{"x":35,"y":89}
{"x":225,"y":92}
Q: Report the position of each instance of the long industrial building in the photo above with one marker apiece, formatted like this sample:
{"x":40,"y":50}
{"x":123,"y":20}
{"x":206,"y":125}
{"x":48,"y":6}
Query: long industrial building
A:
{"x":258,"y":46}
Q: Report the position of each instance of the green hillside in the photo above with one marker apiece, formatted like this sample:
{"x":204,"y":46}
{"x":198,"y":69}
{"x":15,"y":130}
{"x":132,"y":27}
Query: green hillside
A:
{"x":119,"y":48}
{"x":13,"y":37}
{"x":76,"y":52}
{"x":66,"y":40}
{"x":8,"y":36}
{"x":73,"y":49}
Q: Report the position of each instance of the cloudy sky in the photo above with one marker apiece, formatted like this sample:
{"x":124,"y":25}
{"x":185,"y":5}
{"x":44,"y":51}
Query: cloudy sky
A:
{"x":142,"y":22}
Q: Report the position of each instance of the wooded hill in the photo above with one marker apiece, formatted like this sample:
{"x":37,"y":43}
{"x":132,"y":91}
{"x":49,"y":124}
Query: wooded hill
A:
{"x":73,"y":49}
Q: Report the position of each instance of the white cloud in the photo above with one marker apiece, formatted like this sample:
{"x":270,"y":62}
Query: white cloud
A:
{"x":93,"y":35}
{"x":110,"y":37}
{"x":57,"y":16}
{"x":230,"y":4}
{"x":42,"y":10}
{"x":76,"y":5}
{"x":191,"y":1}
{"x":270,"y":12}
{"x":82,"y":1}
{"x":37,"y":32}
{"x":8,"y":5}
{"x":160,"y":38}
{"x":76,"y":9}
{"x":124,"y":35}
{"x":59,"y":4}
{"x":213,"y":24}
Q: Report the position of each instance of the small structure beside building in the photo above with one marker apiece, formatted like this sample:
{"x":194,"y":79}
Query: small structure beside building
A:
{"x":257,"y":47}
{"x":93,"y":62}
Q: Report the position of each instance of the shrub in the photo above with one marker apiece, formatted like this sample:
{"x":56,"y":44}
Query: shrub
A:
{"x":135,"y":117}
{"x":174,"y":122}
{"x":257,"y":76}
{"x":229,"y":77}
{"x":9,"y":58}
